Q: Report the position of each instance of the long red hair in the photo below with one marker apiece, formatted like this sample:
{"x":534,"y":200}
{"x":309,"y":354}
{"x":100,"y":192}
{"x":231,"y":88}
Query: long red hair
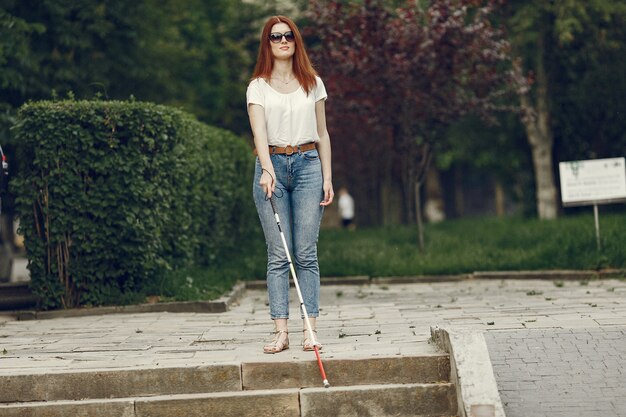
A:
{"x":302,"y":68}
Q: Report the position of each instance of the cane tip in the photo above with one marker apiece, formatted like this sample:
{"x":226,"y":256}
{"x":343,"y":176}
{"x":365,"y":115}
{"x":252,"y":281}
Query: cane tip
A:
{"x":326,"y":384}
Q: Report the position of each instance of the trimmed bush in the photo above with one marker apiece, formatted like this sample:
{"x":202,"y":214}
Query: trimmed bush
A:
{"x":113,"y":194}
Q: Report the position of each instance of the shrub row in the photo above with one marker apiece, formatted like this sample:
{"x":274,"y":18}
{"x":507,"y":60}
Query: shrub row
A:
{"x":113,"y":194}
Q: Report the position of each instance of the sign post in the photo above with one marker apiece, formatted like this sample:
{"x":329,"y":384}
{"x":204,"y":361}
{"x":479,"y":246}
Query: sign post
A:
{"x":593,"y":182}
{"x":596,"y":217}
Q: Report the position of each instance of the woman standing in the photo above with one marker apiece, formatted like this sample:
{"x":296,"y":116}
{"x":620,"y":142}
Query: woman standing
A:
{"x":286,"y":108}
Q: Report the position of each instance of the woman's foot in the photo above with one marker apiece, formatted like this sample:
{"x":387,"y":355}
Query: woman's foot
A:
{"x":279,"y":342}
{"x":307,"y":343}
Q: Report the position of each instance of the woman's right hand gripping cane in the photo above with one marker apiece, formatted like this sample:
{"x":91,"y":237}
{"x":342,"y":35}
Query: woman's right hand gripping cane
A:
{"x":267,"y":182}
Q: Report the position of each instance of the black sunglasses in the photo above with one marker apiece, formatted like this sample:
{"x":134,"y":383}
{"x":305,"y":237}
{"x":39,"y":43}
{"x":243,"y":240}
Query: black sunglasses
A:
{"x":276,"y":37}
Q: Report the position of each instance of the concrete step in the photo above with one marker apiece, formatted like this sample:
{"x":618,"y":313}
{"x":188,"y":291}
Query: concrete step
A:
{"x":425,"y":400}
{"x":115,"y":383}
{"x":343,"y":372}
{"x":16,"y":295}
{"x":380,"y":400}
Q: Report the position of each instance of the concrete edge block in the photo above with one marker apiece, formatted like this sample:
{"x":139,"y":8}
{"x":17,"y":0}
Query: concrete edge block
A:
{"x":257,"y":284}
{"x":471,"y":371}
{"x":220,"y":305}
{"x":235,"y":295}
{"x":540,"y":274}
{"x":612,"y":273}
{"x":24,"y":315}
{"x":418,"y":279}
{"x":350,"y":280}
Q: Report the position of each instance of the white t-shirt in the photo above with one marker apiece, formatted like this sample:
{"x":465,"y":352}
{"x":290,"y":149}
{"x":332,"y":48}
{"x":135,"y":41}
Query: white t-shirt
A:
{"x":290,"y":118}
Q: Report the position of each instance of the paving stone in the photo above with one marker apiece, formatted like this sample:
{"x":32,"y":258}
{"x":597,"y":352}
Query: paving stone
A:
{"x":576,"y":383}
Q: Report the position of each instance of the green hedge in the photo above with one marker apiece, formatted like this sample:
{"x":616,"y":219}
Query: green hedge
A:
{"x":114,"y":194}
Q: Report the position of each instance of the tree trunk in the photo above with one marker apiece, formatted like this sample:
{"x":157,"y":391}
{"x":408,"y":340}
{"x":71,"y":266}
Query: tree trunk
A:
{"x":386,"y":200}
{"x":409,"y":151}
{"x":386,"y":191}
{"x":459,"y":196}
{"x":536,"y":120}
{"x":544,"y":179}
{"x":418,"y":214}
{"x":499,"y":198}
{"x":422,"y":165}
{"x":434,"y":210}
{"x":409,"y":177}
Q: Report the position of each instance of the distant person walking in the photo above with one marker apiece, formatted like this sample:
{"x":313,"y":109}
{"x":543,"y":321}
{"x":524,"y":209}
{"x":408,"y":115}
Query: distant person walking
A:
{"x":285,"y":102}
{"x":346,"y":208}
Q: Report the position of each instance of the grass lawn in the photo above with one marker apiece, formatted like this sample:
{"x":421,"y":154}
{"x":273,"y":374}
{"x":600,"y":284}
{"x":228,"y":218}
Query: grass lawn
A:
{"x":452,"y":247}
{"x":478,"y":244}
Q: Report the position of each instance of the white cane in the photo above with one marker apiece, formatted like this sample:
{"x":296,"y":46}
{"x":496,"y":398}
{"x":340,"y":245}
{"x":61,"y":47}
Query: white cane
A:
{"x":295,"y":281}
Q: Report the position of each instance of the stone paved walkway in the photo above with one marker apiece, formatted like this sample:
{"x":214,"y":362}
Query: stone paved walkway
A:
{"x":561,"y":372}
{"x":356,"y":321}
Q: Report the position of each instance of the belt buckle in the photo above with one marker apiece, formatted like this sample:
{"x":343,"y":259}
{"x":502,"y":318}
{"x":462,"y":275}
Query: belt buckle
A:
{"x":289,"y":150}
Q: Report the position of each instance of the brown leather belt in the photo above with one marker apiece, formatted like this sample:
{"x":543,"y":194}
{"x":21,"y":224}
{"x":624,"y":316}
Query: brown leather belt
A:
{"x":289,"y":150}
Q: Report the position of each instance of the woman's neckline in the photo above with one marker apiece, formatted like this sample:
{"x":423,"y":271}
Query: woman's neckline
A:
{"x":278,"y":92}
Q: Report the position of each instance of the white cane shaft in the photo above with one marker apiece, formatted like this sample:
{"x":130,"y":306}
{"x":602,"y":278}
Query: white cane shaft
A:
{"x":295,"y":281}
{"x":302,"y":306}
{"x":282,"y":236}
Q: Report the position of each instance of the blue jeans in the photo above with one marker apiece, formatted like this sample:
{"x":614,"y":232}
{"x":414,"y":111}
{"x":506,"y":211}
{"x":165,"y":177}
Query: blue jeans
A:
{"x":298,"y":195}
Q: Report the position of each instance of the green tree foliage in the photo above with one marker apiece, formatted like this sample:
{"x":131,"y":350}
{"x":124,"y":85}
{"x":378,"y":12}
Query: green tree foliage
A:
{"x":210,"y":57}
{"x":588,"y":67}
{"x":190,"y":53}
{"x":400,"y":76}
{"x":573,"y":51}
{"x":585,"y":58}
{"x":82,"y":46}
{"x":17,"y":64}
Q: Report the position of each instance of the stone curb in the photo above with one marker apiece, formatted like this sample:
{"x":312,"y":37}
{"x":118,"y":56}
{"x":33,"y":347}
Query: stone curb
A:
{"x":260,"y":284}
{"x":418,"y":279}
{"x":471,"y":372}
{"x":423,"y":279}
{"x":366,"y":280}
{"x":220,"y":305}
{"x":551,"y":274}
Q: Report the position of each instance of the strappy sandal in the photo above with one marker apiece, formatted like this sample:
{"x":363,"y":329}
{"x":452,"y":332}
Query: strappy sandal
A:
{"x":276,"y":345}
{"x":307,"y":344}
